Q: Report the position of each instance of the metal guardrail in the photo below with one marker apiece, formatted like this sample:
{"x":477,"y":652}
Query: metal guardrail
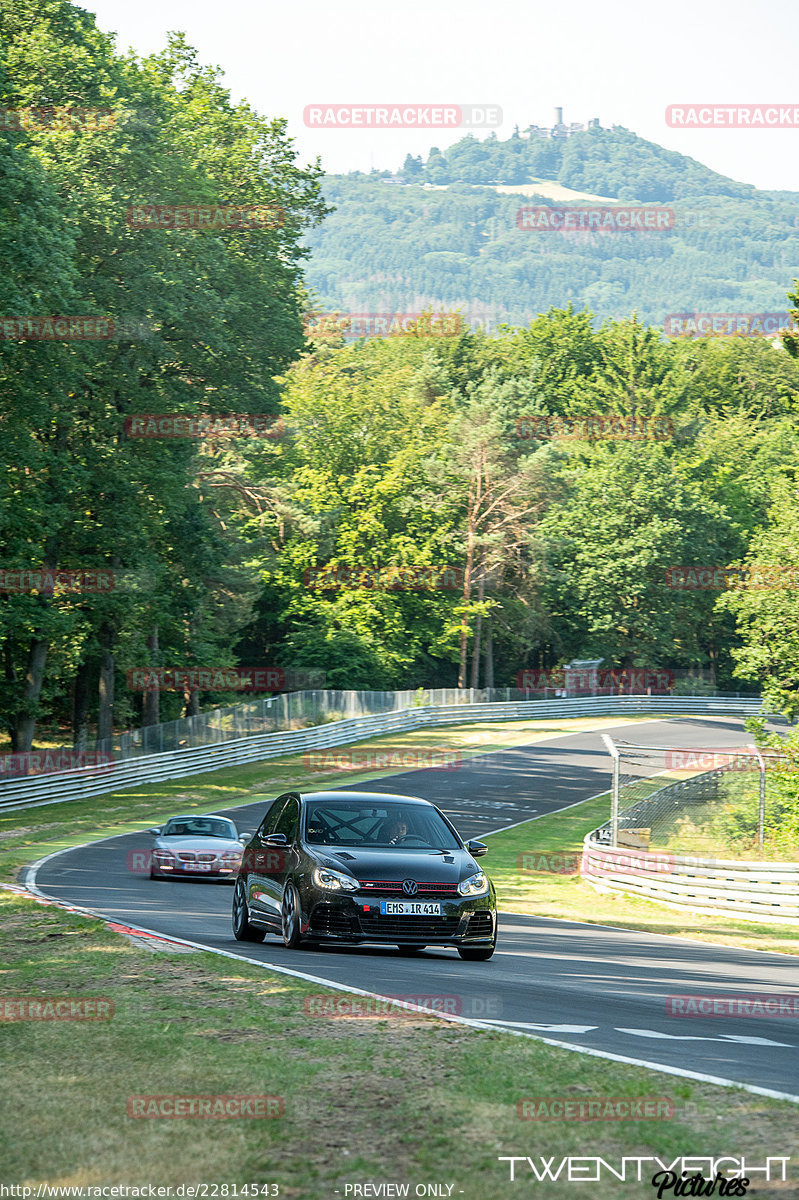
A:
{"x":96,"y":780}
{"x":761,"y":891}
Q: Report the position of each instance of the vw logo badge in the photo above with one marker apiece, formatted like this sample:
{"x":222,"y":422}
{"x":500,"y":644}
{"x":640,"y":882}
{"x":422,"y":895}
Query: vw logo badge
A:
{"x":410,"y":887}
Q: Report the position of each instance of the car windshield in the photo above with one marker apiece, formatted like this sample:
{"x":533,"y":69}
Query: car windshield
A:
{"x":214,"y":827}
{"x":353,"y":823}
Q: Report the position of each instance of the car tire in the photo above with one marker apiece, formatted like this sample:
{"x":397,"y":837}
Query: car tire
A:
{"x":291,"y":917}
{"x":243,"y":931}
{"x":478,"y":953}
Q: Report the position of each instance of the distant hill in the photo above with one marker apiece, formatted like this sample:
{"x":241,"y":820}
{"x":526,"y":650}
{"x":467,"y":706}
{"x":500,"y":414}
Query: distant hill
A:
{"x":443,"y":233}
{"x":612,"y":162}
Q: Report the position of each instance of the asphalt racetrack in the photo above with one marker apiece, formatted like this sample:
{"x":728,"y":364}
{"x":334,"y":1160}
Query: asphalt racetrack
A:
{"x":584,"y":985}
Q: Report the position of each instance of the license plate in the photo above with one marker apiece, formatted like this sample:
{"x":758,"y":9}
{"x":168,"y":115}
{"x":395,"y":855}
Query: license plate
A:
{"x":409,"y":908}
{"x":197,"y":866}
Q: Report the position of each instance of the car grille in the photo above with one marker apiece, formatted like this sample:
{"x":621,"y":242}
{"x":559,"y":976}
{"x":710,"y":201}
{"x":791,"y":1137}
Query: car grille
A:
{"x":331,"y":920}
{"x":480,"y":924}
{"x":394,"y":887}
{"x":416,"y":927}
{"x":190,"y":856}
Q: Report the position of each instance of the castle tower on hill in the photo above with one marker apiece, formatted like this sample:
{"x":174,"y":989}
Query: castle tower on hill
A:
{"x":560,"y":129}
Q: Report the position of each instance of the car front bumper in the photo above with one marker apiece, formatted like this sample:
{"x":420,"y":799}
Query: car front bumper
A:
{"x":471,"y":921}
{"x":194,"y":871}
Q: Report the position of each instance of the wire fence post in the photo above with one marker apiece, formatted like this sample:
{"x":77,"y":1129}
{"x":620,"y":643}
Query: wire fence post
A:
{"x":614,"y":793}
{"x":761,"y":815}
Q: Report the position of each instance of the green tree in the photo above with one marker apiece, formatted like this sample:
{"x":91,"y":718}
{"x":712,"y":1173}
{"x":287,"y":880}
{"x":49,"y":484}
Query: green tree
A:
{"x":365,"y":421}
{"x":221,"y":314}
{"x":630,"y":514}
{"x":764,"y":603}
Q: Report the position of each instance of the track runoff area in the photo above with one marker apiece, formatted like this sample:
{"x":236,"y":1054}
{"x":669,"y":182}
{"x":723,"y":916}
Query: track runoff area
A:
{"x":595,"y":989}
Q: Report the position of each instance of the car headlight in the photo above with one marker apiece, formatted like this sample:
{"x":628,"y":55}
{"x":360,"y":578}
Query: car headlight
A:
{"x":334,"y":881}
{"x":475,"y":885}
{"x":163,"y":856}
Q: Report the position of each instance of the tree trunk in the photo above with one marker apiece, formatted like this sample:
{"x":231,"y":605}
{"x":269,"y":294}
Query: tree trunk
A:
{"x":80,"y":705}
{"x":467,"y":592}
{"x":192,"y":702}
{"x":105,"y":712}
{"x":151,"y":705}
{"x":24,"y":721}
{"x":478,"y":628}
{"x":489,"y":652}
{"x":25,"y":724}
{"x":475,"y":496}
{"x":10,"y":677}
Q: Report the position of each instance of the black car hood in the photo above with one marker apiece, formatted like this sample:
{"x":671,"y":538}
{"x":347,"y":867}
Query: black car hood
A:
{"x":425,"y":866}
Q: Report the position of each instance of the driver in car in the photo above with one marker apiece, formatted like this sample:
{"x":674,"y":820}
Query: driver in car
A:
{"x":396,"y":831}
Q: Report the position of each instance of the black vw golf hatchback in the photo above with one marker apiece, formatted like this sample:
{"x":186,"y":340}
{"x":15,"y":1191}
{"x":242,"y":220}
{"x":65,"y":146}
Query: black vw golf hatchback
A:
{"x":350,"y":867}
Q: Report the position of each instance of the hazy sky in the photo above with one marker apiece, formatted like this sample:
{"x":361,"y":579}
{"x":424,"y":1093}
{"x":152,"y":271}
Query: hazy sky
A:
{"x":612,"y":60}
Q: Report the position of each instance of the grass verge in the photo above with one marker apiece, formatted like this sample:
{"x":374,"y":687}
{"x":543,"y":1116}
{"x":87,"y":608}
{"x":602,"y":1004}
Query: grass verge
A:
{"x":411,"y":1099}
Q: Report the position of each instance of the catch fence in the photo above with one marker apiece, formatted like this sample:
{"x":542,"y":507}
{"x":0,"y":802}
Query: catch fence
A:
{"x":713,"y":831}
{"x":700,"y":800}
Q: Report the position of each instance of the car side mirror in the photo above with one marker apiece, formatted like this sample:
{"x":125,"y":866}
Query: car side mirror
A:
{"x":476,"y":849}
{"x":244,"y":837}
{"x":275,"y":839}
{"x":155,"y":831}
